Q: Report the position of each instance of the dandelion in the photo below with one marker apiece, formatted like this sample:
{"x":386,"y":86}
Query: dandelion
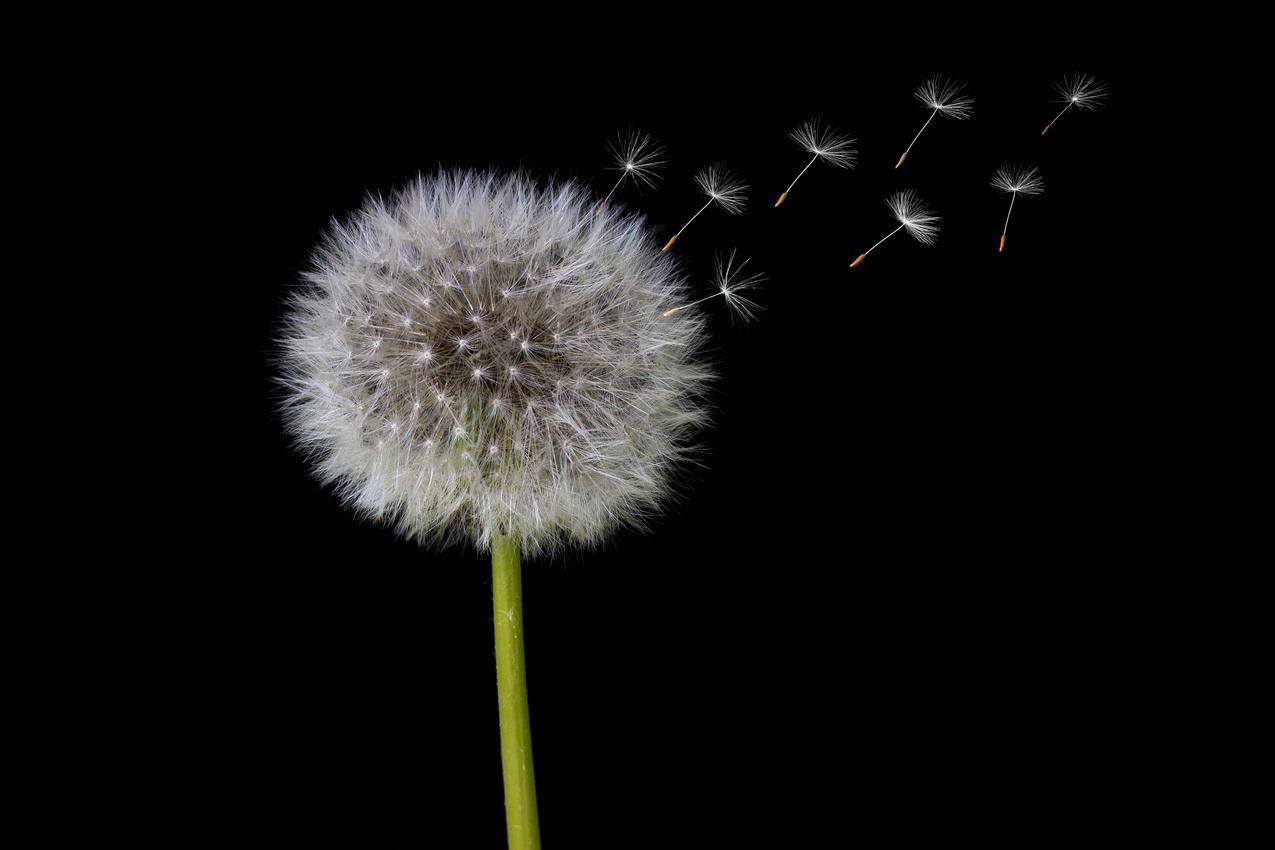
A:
{"x":821,"y":143}
{"x":940,"y":96}
{"x":1079,"y":90}
{"x":909,"y":211}
{"x":1016,"y":181}
{"x":722,"y":188}
{"x":469,"y":363}
{"x":637,"y":158}
{"x":730,"y":281}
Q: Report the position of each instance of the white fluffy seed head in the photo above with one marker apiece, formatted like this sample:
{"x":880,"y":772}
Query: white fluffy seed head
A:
{"x":481,"y":355}
{"x":725,"y":188}
{"x":826,"y":143}
{"x":945,"y":96}
{"x":637,"y":157}
{"x":911,"y":212}
{"x":1022,"y":180}
{"x":1081,"y":91}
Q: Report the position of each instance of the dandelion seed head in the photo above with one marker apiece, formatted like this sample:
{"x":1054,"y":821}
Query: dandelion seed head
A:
{"x":1022,"y":180}
{"x":1081,"y":90}
{"x":826,"y":143}
{"x":911,"y":212}
{"x":558,"y":417}
{"x":945,"y":96}
{"x":725,"y":188}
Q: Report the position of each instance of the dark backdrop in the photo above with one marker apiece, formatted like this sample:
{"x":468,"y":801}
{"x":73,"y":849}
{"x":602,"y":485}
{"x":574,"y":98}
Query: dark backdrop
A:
{"x":876,"y":600}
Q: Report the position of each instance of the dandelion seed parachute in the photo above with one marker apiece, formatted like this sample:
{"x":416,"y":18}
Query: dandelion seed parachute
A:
{"x":637,"y":158}
{"x":912,"y":215}
{"x":730,"y":281}
{"x":821,"y":143}
{"x":1017,"y":181}
{"x":482,"y":357}
{"x":722,"y":188}
{"x":940,"y":96}
{"x":1079,"y":90}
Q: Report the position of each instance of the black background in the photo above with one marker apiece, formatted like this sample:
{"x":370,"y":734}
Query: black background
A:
{"x":878,"y":599}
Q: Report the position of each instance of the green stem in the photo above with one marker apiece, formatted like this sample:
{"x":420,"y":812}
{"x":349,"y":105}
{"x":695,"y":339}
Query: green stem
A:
{"x":521,"y":818}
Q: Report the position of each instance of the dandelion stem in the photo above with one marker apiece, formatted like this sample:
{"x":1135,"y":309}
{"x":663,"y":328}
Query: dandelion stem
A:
{"x":668,"y":313}
{"x":1013,"y":197}
{"x":861,"y":257}
{"x":669,"y":244}
{"x":521,"y":819}
{"x":1056,"y":117}
{"x":803,"y":171}
{"x":692,"y":218}
{"x":612,"y":192}
{"x":1004,"y":230}
{"x":887,"y":236}
{"x":933,"y":112}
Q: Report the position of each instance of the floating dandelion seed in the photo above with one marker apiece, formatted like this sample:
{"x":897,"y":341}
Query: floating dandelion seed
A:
{"x":912,"y":214}
{"x":821,"y":143}
{"x":1016,"y":181}
{"x":722,"y":188}
{"x":636,"y":157}
{"x":730,"y":282}
{"x":1079,"y":90}
{"x":941,"y":96}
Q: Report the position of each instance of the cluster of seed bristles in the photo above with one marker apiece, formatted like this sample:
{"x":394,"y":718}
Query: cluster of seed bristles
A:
{"x":945,"y":96}
{"x":482,"y":356}
{"x":1081,"y":90}
{"x":1020,"y":179}
{"x":912,"y":213}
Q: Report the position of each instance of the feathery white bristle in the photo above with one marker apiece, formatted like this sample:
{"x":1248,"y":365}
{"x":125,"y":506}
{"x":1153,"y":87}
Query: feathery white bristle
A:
{"x":911,"y":212}
{"x":725,"y":188}
{"x":825,"y":143}
{"x":1081,"y":91}
{"x":638,"y":157}
{"x":1022,"y":180}
{"x":945,"y":96}
{"x":481,"y":355}
{"x":731,"y":282}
